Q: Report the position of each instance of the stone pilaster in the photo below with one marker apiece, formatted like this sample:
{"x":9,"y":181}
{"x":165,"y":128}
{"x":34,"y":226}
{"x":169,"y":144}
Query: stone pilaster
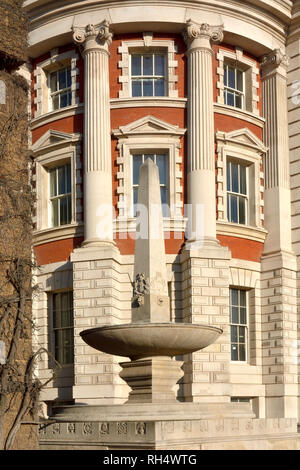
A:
{"x":201,"y":154}
{"x":205,"y":264}
{"x":279,"y":316}
{"x":102,"y":296}
{"x":94,"y":42}
{"x":205,"y":299}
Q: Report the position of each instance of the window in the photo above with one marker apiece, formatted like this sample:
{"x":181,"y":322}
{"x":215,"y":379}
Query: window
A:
{"x":60,"y":88}
{"x":63,"y":327}
{"x":60,"y":195}
{"x":237,"y":198}
{"x":161,"y":161}
{"x":233,"y":86}
{"x":148,"y":75}
{"x":238,"y":324}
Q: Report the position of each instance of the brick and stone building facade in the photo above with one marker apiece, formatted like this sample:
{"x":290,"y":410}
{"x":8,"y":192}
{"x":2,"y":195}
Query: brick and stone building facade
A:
{"x":213,"y":93}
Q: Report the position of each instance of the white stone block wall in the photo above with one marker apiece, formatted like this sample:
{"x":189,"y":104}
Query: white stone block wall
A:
{"x":205,"y":299}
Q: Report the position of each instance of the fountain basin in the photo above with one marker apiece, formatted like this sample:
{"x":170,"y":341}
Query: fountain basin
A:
{"x":141,"y":340}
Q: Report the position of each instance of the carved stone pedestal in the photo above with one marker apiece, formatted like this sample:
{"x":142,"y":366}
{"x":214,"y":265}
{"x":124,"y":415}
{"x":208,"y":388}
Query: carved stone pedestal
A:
{"x":152,"y":380}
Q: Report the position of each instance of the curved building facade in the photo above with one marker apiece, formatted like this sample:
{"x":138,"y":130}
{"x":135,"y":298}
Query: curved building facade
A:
{"x":211,"y":91}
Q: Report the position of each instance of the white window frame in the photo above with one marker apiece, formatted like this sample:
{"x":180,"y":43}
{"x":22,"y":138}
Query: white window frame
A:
{"x":58,"y":92}
{"x":41,"y":74}
{"x":157,"y":151}
{"x":152,"y":77}
{"x":243,"y":146}
{"x":235,"y":91}
{"x":72,"y":327}
{"x":239,"y":195}
{"x":246,"y":325}
{"x":53,"y":149}
{"x":59,"y":196}
{"x":144,"y":46}
{"x":237,"y":59}
{"x":149,"y":135}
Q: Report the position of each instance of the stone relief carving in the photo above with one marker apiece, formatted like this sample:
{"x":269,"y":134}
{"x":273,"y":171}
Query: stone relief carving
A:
{"x":71,"y":428}
{"x":122,"y":428}
{"x":141,"y":286}
{"x":87,"y":428}
{"x":104,"y":428}
{"x":140,"y":428}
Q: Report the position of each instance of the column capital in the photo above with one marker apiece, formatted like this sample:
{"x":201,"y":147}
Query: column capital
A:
{"x":273,"y":60}
{"x":92,"y":36}
{"x":203,"y":33}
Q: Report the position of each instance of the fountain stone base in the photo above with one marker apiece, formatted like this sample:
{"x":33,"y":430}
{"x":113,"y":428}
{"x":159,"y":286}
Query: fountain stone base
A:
{"x":152,"y":380}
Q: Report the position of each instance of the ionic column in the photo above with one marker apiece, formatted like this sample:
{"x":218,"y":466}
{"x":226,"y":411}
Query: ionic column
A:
{"x":95,"y":40}
{"x":201,"y":155}
{"x":278,"y":285}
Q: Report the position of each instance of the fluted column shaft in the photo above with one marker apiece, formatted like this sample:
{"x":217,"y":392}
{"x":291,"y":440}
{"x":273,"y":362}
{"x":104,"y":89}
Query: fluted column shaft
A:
{"x":200,"y":167}
{"x":97,"y":147}
{"x":276,"y":165}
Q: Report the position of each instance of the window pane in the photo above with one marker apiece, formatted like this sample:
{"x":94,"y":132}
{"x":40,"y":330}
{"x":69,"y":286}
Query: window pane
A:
{"x":243,"y":185}
{"x":225,"y":75}
{"x":136,"y":88}
{"x":147,"y":88}
{"x":228,"y":170}
{"x":238,"y":101}
{"x":162,"y":168}
{"x":135,"y":200}
{"x":53,"y":82}
{"x":63,"y":211}
{"x":68,"y":177}
{"x":233,"y":209}
{"x":136,"y":163}
{"x":234,"y":315}
{"x":148,"y":65}
{"x":230,"y":98}
{"x":234,"y":352}
{"x":64,"y":100}
{"x":242,"y":352}
{"x":69,"y":78}
{"x":231,"y":77}
{"x":243,"y":315}
{"x":163,"y":193}
{"x":234,"y":177}
{"x":242,"y":210}
{"x":242,"y":333}
{"x":234,"y":336}
{"x":54,"y":213}
{"x":234,"y":296}
{"x":239,"y":76}
{"x":243,"y":298}
{"x":53,"y":186}
{"x":136,"y":65}
{"x":62,"y":79}
{"x":61,"y":174}
{"x":159,"y":65}
{"x":159,"y":88}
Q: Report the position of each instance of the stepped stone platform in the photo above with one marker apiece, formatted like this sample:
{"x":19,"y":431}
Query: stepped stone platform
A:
{"x":176,"y":427}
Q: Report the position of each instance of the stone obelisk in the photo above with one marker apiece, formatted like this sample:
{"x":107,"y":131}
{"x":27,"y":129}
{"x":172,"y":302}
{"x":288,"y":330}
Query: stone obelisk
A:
{"x":150,"y":301}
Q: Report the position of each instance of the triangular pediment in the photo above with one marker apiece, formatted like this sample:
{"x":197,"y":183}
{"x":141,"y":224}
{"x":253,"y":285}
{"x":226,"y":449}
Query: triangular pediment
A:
{"x":149,"y":125}
{"x":242,"y":136}
{"x":52,"y":138}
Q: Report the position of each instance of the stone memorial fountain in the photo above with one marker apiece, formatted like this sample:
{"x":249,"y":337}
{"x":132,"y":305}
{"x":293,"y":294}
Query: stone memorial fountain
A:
{"x":152,"y":418}
{"x":151,"y":340}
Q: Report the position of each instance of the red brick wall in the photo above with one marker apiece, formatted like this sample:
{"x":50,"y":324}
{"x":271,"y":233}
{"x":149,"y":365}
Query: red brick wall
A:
{"x":58,"y":251}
